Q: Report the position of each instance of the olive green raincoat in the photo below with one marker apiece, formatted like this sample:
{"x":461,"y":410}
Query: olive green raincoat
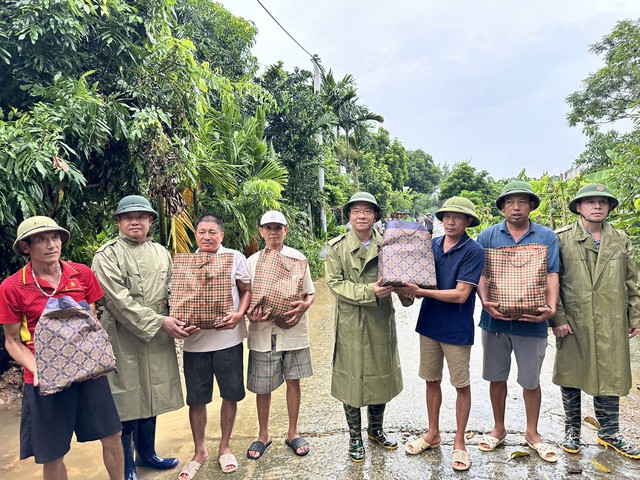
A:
{"x":366,"y":365}
{"x":135,"y":278}
{"x":599,"y":299}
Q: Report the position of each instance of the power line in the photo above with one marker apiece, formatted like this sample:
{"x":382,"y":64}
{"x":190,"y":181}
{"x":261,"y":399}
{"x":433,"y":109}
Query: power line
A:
{"x":314,"y":58}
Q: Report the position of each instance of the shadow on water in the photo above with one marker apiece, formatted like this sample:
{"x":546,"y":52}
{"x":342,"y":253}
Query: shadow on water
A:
{"x":322,"y":423}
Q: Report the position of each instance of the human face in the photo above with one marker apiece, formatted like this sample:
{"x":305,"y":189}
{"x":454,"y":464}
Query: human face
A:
{"x":362,"y":216}
{"x":273,"y":235}
{"x":135,"y":224}
{"x":594,"y":209}
{"x":44,"y":248}
{"x":209,"y":237}
{"x":516,"y":209}
{"x":455,"y":224}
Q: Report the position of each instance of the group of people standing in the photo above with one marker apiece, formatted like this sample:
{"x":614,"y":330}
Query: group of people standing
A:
{"x":592,"y":305}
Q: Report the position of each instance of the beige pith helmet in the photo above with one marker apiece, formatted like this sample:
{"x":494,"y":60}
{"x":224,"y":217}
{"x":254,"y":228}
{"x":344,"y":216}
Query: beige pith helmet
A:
{"x":459,"y":205}
{"x":38,"y":224}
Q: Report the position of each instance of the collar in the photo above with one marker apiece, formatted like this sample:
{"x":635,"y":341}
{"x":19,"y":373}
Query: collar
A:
{"x":67,"y":272}
{"x":354,"y":242}
{"x":132,"y":240}
{"x":461,"y":243}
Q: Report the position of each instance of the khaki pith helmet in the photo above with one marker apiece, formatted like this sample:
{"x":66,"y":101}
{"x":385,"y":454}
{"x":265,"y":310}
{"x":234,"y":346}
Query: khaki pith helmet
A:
{"x":34,"y":225}
{"x":514,"y":187}
{"x":459,"y":205}
{"x":362,"y":197}
{"x":593,"y":190}
{"x":134,"y":203}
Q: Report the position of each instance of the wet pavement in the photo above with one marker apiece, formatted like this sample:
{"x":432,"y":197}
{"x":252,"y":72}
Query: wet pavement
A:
{"x":322,"y":423}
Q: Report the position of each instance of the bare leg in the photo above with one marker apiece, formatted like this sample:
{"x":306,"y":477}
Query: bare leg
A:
{"x":198,"y":422}
{"x":56,"y":470}
{"x":263,"y":402}
{"x":498,"y":396}
{"x":463,"y":408}
{"x":293,"y":409}
{"x":227,"y":419}
{"x":434,"y":401}
{"x":532,"y":401}
{"x":112,"y":456}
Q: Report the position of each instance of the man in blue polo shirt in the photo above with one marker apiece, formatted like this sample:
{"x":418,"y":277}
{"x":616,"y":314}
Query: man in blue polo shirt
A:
{"x":445,"y":324}
{"x":525,"y":337}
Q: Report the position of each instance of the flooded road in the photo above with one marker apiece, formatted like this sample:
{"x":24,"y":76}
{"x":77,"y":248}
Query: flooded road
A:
{"x":322,"y":422}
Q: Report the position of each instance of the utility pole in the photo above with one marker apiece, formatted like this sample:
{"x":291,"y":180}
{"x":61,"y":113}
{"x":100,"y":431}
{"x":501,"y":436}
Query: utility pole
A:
{"x":318,"y":136}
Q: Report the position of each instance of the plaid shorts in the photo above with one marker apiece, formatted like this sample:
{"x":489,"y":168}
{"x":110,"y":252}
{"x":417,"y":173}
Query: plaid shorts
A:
{"x":268,"y":370}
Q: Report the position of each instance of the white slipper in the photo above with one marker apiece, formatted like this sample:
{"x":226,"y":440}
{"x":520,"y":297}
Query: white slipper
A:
{"x":228,"y":460}
{"x":190,"y":469}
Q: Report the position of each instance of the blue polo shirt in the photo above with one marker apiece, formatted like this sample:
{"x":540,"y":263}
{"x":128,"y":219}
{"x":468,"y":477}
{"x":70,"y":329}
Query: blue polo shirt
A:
{"x":498,"y":236}
{"x":452,"y":322}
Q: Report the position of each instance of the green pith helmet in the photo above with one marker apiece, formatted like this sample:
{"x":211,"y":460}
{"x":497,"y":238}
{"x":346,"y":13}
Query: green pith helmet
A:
{"x":459,"y":205}
{"x":34,"y":225}
{"x":362,"y":197}
{"x":514,"y":187}
{"x":134,"y":203}
{"x":593,"y":190}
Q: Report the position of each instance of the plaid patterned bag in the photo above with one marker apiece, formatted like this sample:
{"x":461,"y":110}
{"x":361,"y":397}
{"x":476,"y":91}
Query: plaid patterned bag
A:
{"x":201,"y":288}
{"x":277,"y":282}
{"x":407,"y":255}
{"x":516,"y":278}
{"x":70,"y":346}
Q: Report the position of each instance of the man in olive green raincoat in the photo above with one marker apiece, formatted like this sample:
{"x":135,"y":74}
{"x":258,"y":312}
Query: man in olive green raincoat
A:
{"x":598,"y":312}
{"x":366,"y":365}
{"x":134,"y":273}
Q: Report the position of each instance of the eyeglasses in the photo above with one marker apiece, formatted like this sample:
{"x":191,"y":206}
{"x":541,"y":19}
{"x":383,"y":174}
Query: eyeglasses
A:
{"x":368,"y":212}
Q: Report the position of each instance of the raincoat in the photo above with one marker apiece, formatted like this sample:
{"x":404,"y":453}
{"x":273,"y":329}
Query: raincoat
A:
{"x":135,"y":278}
{"x":599,"y":299}
{"x":366,"y":364}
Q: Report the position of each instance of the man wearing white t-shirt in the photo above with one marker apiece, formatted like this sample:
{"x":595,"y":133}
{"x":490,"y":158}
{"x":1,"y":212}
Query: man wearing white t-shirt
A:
{"x":279,"y":355}
{"x":216,"y":352}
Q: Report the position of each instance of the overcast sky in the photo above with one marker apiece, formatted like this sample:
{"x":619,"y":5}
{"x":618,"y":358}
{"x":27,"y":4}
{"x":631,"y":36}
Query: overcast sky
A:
{"x":478,"y":80}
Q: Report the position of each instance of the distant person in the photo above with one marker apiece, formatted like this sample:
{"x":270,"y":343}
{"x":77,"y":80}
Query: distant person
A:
{"x":525,"y":337}
{"x":598,"y":312}
{"x":445,"y":324}
{"x":398,"y":215}
{"x":406,"y":216}
{"x":85,"y":408}
{"x":387,"y":219}
{"x":278,"y":355}
{"x":366,"y":364}
{"x":134,"y":272}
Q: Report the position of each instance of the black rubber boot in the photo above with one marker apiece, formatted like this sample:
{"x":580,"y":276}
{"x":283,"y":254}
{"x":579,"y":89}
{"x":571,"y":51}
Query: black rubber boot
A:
{"x":145,"y":440}
{"x":571,"y":400}
{"x":354,"y":420}
{"x":128,"y":429}
{"x":375,"y":414}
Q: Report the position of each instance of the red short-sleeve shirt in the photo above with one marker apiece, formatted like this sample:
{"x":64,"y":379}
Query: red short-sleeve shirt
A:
{"x":22,"y":302}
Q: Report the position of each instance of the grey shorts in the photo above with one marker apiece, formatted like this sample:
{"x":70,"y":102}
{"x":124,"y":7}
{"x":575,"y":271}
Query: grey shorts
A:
{"x":496,"y":359}
{"x":200,"y":368}
{"x":268,"y":370}
{"x":432,"y":355}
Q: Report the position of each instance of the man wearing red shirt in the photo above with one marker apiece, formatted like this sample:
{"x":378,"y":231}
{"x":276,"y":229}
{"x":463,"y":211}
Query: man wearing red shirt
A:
{"x":86,"y":408}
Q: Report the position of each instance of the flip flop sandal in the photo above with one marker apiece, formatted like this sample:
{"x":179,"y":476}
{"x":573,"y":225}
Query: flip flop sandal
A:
{"x":491,"y":441}
{"x":259,"y":447}
{"x":419,"y":445}
{"x":190,"y":469}
{"x":228,"y":460}
{"x":460,"y":456}
{"x":543,"y":449}
{"x":295,"y":444}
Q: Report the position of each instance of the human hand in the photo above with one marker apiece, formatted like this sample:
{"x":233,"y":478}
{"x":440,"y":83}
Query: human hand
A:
{"x":36,"y":380}
{"x":175,"y":328}
{"x":407,"y":289}
{"x":492,"y":309}
{"x":257,"y":314}
{"x":633,"y":332}
{"x":546,"y":312}
{"x":380,"y":291}
{"x":230,"y":321}
{"x":299,"y":307}
{"x":562,"y":330}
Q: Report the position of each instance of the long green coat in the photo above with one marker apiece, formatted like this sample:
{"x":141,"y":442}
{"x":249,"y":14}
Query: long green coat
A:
{"x":366,"y":365}
{"x":135,"y":278}
{"x":599,"y":298}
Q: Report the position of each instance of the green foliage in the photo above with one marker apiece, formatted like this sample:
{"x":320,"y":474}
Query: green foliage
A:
{"x":464,"y":177}
{"x":423,"y":174}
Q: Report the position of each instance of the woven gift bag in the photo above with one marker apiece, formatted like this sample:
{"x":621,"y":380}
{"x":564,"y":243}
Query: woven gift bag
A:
{"x":406,"y":255}
{"x":517,"y":278}
{"x":201,"y":288}
{"x":70,"y":346}
{"x":277,"y":282}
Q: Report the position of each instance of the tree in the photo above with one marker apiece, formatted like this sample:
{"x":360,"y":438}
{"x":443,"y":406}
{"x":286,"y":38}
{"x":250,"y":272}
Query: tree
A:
{"x":423,"y":174}
{"x":465,"y":177}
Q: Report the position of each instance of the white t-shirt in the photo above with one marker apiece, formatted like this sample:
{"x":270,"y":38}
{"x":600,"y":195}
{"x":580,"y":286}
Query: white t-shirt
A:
{"x":294,"y":338}
{"x":211,"y":340}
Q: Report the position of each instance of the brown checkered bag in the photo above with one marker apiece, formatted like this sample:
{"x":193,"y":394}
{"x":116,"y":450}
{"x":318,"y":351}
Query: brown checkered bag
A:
{"x":70,"y":346}
{"x":277,"y":282}
{"x":517,"y":278}
{"x":407,"y":255}
{"x":201,"y":288}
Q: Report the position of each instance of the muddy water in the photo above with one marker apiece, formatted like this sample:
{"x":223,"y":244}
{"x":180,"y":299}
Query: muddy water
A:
{"x":322,"y":423}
